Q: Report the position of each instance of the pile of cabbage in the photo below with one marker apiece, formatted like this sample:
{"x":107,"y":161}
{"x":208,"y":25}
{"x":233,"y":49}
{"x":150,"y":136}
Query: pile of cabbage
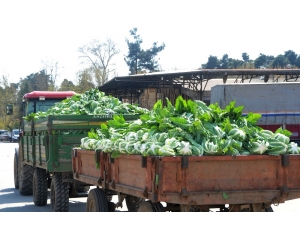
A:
{"x":92,"y":102}
{"x":189,"y":128}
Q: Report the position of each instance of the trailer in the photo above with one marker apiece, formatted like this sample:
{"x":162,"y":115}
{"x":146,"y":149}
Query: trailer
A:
{"x":187,"y":183}
{"x":46,"y":149}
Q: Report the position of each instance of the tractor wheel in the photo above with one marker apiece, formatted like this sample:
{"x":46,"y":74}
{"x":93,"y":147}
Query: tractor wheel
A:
{"x":16,"y":174}
{"x":59,"y":194}
{"x":40,"y":187}
{"x":25,"y":179}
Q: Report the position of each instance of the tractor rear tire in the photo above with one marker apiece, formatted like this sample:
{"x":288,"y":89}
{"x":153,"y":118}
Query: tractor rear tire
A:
{"x":59,"y":194}
{"x":16,"y":174}
{"x":25,"y":179}
{"x":40,"y":187}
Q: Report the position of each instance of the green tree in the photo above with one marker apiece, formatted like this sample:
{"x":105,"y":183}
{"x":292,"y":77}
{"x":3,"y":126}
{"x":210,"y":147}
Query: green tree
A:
{"x":138,"y":59}
{"x":8,"y":95}
{"x":245,"y":57}
{"x":34,"y":82}
{"x":84,"y":81}
{"x":291,"y":56}
{"x":235,"y":63}
{"x":297,"y":62}
{"x":212,"y":63}
{"x":224,"y":62}
{"x":260,"y":61}
{"x":280,"y":61}
{"x":67,"y":85}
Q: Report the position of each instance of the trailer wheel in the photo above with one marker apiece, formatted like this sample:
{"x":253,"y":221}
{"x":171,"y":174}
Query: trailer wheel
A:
{"x":133,"y":203}
{"x":269,"y":209}
{"x":109,"y":198}
{"x":25,"y":179}
{"x":59,"y":194}
{"x":16,"y":175}
{"x":97,"y":201}
{"x":40,"y":187}
{"x":149,"y":206}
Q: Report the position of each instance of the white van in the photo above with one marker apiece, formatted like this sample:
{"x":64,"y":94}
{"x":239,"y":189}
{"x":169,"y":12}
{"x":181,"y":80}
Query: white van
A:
{"x":15,"y":133}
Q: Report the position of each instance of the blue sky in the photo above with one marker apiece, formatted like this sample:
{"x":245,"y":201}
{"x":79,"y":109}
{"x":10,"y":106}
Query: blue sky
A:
{"x":32,"y":31}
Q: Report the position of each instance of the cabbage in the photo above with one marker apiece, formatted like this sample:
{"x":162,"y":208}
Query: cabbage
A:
{"x":237,"y":134}
{"x":184,"y":148}
{"x":140,"y":133}
{"x":166,"y":151}
{"x":210,"y":148}
{"x":292,"y":148}
{"x":122,"y":147}
{"x":258,"y":147}
{"x":266,"y":134}
{"x":107,"y":147}
{"x":131,"y":136}
{"x":282,"y":138}
{"x":172,"y":142}
{"x":153,"y":149}
{"x":130,"y":147}
{"x":137,"y":147}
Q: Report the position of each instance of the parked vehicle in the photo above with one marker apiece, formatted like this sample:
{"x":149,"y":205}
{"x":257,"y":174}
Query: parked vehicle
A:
{"x":6,"y":136}
{"x":3,"y":131}
{"x":14,"y":137}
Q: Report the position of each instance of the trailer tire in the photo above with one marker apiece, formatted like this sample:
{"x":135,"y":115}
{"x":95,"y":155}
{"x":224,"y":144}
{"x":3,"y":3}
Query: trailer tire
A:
{"x":40,"y":187}
{"x":269,"y":209}
{"x":109,"y":198}
{"x":59,"y":194}
{"x":97,"y":201}
{"x":133,"y":203}
{"x":149,"y":206}
{"x":25,"y":179}
{"x":16,"y":174}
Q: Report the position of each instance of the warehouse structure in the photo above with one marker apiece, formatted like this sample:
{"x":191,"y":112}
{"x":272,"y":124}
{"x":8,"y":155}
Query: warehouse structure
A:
{"x":146,"y":89}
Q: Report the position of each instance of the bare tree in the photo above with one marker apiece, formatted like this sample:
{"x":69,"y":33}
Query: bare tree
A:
{"x":99,"y":55}
{"x":51,"y":69}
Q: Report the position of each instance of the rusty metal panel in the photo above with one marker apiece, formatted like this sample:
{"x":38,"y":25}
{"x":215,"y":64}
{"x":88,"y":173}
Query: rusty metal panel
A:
{"x":217,"y":173}
{"x":84,"y":166}
{"x":203,"y":180}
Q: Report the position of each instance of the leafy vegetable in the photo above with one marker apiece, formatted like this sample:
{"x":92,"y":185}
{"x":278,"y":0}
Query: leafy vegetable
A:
{"x":190,"y":128}
{"x":92,"y":102}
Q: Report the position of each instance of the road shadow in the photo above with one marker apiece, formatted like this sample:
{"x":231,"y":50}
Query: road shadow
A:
{"x":12,"y":201}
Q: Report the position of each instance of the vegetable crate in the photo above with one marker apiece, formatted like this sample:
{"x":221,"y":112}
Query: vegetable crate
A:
{"x":201,"y":182}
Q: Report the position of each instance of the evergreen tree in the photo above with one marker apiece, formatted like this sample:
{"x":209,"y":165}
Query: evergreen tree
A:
{"x":139,"y":59}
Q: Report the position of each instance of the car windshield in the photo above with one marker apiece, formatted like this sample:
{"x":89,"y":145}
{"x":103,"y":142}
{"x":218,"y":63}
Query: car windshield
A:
{"x":16,"y":132}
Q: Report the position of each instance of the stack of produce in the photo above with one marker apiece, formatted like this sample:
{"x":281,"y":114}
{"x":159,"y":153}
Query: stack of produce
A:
{"x":92,"y":102}
{"x":189,"y":128}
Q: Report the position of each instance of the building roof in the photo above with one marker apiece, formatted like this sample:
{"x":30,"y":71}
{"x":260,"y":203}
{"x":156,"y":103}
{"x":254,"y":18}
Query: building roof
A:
{"x":196,"y":80}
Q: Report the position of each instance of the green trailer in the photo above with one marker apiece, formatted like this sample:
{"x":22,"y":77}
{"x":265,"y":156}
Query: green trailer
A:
{"x":46,"y":147}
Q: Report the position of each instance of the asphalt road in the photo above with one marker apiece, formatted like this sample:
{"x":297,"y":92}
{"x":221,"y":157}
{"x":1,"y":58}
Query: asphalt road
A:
{"x":12,"y":201}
